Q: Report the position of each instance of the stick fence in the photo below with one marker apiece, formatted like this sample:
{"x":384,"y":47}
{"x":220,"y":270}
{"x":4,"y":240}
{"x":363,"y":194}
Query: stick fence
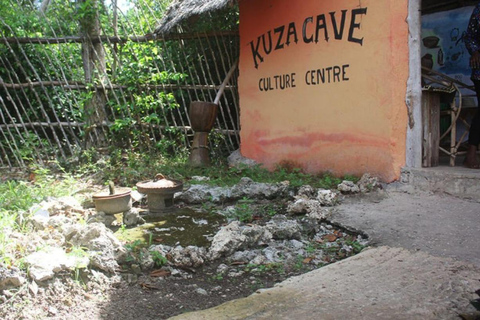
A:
{"x":140,"y":85}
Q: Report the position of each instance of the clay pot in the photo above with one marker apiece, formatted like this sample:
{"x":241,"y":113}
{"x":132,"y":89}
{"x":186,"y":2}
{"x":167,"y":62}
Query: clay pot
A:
{"x":113,"y":203}
{"x":159,"y":193}
{"x":427,"y":61}
{"x":431,"y":42}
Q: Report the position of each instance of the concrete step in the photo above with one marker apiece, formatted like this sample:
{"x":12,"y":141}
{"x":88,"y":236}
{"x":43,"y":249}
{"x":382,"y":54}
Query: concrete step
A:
{"x":456,"y":181}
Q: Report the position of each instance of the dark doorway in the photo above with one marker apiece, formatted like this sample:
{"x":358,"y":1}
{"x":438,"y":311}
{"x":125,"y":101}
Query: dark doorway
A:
{"x":431,"y":6}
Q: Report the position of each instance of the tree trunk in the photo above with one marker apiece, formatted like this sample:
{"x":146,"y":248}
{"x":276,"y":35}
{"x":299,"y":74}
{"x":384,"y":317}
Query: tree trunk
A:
{"x":94,"y":66}
{"x":44,"y":6}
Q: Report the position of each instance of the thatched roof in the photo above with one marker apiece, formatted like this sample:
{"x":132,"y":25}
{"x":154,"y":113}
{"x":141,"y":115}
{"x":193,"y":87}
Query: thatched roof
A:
{"x":180,"y":10}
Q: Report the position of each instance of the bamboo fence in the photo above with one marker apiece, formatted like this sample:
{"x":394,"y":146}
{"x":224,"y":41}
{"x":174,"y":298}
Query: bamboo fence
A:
{"x":43,"y":92}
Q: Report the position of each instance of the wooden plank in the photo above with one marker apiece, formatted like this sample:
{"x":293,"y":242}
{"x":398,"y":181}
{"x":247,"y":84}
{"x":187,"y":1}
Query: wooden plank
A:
{"x":431,"y":128}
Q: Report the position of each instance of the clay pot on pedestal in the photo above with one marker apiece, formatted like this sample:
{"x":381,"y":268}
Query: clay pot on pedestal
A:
{"x":160,"y":192}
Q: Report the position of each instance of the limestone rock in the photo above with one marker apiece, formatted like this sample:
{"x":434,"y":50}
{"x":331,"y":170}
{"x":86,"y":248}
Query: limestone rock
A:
{"x":368,"y":183}
{"x":147,"y":262}
{"x":282,"y":228}
{"x":222,"y":269}
{"x":136,"y":196}
{"x":201,"y":291}
{"x":256,"y":235}
{"x":312,"y":209}
{"x":319,"y":213}
{"x":106,"y":248}
{"x":33,"y":288}
{"x":272,"y":255}
{"x":237,"y":160}
{"x":44,"y":264}
{"x":260,"y":259}
{"x":132,"y":217}
{"x":307,"y":192}
{"x":348,"y":187}
{"x":295,"y":244}
{"x":160,"y":248}
{"x":300,"y":206}
{"x":197,"y":194}
{"x":200,"y":178}
{"x":234,"y":236}
{"x":69,"y":231}
{"x":247,"y":188}
{"x":190,"y":256}
{"x":327,"y":197}
{"x":10,"y":278}
{"x":58,"y":222}
{"x":244,"y":256}
{"x":53,"y":206}
{"x":102,"y":217}
{"x":54,"y":212}
{"x":38,"y":221}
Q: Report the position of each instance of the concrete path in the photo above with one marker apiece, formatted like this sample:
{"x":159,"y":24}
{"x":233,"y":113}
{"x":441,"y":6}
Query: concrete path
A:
{"x":438,"y":224}
{"x":380,"y":283}
{"x":424,"y":264}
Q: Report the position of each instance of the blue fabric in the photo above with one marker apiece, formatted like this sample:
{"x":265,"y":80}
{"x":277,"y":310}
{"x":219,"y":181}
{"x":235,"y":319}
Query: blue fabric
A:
{"x":472,"y":42}
{"x":472,"y":37}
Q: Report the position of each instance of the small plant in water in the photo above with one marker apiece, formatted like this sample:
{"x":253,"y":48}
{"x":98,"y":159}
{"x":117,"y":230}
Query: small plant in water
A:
{"x":158,"y":258}
{"x":133,"y":250}
{"x":150,"y":239}
{"x":217,"y":277}
{"x":310,"y":248}
{"x":208,"y":207}
{"x":268,"y":210}
{"x":243,"y":211}
{"x":264,"y":268}
{"x":356,"y":246}
{"x":81,"y":256}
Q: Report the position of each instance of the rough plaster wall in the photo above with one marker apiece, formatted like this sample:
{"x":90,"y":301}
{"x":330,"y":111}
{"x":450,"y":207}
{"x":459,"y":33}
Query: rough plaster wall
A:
{"x":414,"y":90}
{"x":354,"y":126}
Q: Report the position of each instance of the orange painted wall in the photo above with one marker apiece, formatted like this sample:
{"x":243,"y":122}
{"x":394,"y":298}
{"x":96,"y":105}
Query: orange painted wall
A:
{"x":355,"y":123}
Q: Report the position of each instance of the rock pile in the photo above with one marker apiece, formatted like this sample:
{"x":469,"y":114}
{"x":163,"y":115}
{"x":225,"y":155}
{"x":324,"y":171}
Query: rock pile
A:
{"x":67,"y":237}
{"x":301,"y":232}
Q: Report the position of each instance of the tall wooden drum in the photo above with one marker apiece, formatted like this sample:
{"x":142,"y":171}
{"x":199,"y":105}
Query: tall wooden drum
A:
{"x":202,"y":117}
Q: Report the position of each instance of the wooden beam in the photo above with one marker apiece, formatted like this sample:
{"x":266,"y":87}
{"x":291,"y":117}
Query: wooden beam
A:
{"x":78,"y":85}
{"x":82,"y":124}
{"x":113,"y":39}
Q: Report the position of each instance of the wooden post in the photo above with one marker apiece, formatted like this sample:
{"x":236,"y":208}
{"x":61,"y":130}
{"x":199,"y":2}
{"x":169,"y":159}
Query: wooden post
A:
{"x":431,"y":128}
{"x":94,"y":66}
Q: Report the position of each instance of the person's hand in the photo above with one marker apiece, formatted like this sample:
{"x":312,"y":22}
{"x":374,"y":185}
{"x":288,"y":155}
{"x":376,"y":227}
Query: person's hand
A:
{"x":475,"y":60}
